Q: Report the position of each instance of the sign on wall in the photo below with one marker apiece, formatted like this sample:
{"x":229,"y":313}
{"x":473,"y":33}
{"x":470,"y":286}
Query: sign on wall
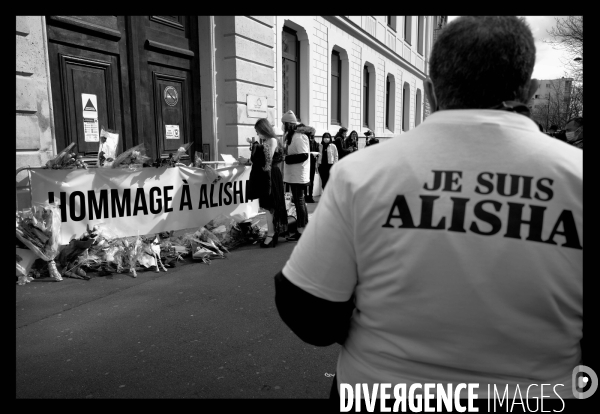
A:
{"x":172,"y":131}
{"x":257,"y":106}
{"x":90,"y":117}
{"x":147,"y":201}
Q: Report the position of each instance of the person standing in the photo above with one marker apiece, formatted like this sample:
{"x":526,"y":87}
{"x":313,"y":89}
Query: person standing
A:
{"x":455,"y":254}
{"x":296,"y":173}
{"x":314,"y":149}
{"x":574,"y":132}
{"x":328,"y":156}
{"x":352,"y":141}
{"x":371,"y":140}
{"x":340,"y":143}
{"x":267,"y":179}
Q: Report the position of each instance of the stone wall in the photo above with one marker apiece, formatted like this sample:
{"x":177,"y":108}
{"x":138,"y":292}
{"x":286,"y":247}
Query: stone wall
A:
{"x":34,"y":124}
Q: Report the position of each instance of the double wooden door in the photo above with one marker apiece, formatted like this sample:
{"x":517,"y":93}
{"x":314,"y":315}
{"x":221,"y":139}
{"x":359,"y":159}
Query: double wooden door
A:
{"x":138,"y":75}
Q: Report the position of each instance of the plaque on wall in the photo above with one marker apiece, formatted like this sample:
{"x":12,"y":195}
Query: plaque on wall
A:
{"x":256,"y":106}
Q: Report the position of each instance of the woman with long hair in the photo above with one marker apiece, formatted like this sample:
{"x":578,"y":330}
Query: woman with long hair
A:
{"x":340,"y":142}
{"x":328,"y":156}
{"x":297,"y":169}
{"x":266,"y":181}
{"x":352,"y":140}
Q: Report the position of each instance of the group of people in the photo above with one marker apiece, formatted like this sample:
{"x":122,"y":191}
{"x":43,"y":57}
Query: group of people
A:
{"x":290,"y":164}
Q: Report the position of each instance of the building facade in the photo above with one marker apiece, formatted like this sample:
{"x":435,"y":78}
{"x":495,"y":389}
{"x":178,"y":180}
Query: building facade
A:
{"x":551,"y":103}
{"x":168,"y":80}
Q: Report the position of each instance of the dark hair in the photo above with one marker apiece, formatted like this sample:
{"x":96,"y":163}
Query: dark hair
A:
{"x":264,"y":128}
{"x":479,"y":62}
{"x":290,"y":130}
{"x":326,"y":135}
{"x":340,"y":134}
{"x":554,"y":127}
{"x":353,"y":132}
{"x":578,"y":120}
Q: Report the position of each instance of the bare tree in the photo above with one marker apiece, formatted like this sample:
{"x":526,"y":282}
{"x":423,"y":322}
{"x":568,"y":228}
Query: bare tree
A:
{"x":568,"y":35}
{"x":563,"y":102}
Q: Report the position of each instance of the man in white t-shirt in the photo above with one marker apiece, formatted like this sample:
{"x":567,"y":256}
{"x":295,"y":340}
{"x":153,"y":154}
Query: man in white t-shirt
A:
{"x":453,"y":252}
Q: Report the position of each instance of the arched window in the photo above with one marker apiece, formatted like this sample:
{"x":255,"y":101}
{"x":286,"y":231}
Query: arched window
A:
{"x":290,"y":50}
{"x":369,"y":95}
{"x":336,"y":88}
{"x":405,"y":107}
{"x":418,"y":106}
{"x":390,"y":102}
{"x":366,"y":96}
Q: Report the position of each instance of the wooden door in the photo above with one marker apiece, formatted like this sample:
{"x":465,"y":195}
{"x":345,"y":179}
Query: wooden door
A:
{"x":169,"y":77}
{"x":142,"y":72}
{"x":86,"y":59}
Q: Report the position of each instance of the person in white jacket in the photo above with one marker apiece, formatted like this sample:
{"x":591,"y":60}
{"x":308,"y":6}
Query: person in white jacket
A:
{"x":296,"y":173}
{"x":328,"y":155}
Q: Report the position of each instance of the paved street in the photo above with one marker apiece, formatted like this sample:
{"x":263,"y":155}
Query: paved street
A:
{"x":196,"y":331}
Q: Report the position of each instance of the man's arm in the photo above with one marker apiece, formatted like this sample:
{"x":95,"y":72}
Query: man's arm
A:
{"x":296,"y":158}
{"x":316,"y":321}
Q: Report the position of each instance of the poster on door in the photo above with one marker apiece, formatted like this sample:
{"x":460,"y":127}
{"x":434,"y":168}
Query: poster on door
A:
{"x":90,"y":117}
{"x":172,"y":131}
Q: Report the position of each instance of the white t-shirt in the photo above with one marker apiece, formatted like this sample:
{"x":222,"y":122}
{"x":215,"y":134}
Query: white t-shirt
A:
{"x":472,"y":301}
{"x":298,"y":173}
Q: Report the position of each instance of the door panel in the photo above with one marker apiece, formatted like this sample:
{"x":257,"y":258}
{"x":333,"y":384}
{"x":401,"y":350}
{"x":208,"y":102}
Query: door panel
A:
{"x":171,"y":108}
{"x":170,"y":24}
{"x":170,"y":62}
{"x":86,"y":76}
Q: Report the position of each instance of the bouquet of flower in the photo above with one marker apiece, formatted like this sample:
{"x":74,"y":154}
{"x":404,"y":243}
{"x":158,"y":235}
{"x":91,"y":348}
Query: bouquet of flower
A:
{"x":198,"y":160}
{"x":66,"y":159}
{"x":69,"y":258}
{"x":132,"y":158}
{"x":202,"y":250}
{"x":180,"y":151}
{"x":22,"y":277}
{"x":39,"y":229}
{"x":109,"y":140}
{"x":133,"y":248}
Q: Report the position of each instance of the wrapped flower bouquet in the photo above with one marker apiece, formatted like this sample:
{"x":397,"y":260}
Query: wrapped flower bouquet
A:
{"x":39,"y":229}
{"x":132,"y":158}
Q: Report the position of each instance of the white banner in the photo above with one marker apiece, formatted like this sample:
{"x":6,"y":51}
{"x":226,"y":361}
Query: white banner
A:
{"x":147,"y":201}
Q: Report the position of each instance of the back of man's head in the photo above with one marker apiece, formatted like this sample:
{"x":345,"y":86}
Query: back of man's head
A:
{"x":479,"y":62}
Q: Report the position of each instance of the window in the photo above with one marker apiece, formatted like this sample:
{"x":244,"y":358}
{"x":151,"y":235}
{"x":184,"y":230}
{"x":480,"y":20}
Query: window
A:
{"x":420,"y":34}
{"x":390,"y":102}
{"x":418,"y":108}
{"x":391,"y":22}
{"x":387,"y":103}
{"x":336,"y":88}
{"x":405,"y":107}
{"x":290,"y":71}
{"x":366,"y":96}
{"x":407,"y":28}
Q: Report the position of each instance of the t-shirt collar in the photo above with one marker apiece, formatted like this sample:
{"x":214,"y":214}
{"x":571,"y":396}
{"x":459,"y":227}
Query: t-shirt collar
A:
{"x":482,"y":116}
